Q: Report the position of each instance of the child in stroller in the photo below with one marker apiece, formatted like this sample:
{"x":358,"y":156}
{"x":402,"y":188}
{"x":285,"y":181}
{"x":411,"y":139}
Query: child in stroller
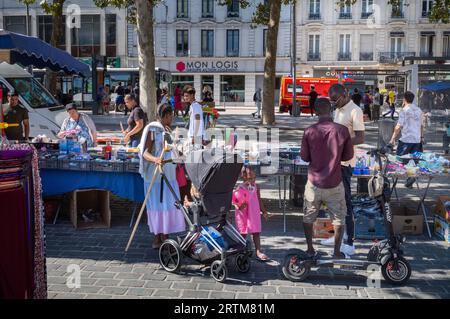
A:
{"x":211,"y":239}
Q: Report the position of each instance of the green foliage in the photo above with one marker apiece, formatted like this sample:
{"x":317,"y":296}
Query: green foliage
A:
{"x":440,"y":11}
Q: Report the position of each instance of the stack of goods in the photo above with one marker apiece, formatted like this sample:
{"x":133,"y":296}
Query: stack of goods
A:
{"x":22,"y":256}
{"x":442,"y":218}
{"x":418,"y":164}
{"x":369,"y":222}
{"x":69,"y":155}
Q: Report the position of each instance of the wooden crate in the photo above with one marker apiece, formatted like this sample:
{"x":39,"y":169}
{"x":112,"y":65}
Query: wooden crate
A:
{"x":82,"y":200}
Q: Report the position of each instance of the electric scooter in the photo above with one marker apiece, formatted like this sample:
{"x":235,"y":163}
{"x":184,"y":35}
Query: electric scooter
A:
{"x":386,"y":254}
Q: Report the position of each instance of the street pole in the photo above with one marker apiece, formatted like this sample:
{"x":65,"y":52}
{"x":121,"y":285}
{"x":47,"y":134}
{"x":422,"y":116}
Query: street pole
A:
{"x":295,"y":111}
{"x":30,"y":67}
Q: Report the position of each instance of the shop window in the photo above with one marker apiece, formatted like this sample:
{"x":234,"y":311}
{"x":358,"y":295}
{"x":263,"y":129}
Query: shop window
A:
{"x":232,"y":88}
{"x":86,"y":40}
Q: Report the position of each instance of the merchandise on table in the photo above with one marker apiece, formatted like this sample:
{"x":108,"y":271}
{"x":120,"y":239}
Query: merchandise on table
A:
{"x":69,"y":156}
{"x":442,"y":228}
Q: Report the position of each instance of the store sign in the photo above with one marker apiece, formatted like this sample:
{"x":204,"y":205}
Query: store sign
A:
{"x":207,"y":66}
{"x":395,"y":79}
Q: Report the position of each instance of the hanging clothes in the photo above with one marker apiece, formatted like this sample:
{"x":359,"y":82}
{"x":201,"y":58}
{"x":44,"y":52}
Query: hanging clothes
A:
{"x":22,"y":247}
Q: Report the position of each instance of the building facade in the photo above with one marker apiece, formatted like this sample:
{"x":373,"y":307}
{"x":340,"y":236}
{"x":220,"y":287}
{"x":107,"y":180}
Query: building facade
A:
{"x":366,"y":41}
{"x":206,"y":44}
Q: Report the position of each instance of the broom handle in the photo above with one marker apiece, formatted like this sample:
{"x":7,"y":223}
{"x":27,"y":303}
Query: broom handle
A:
{"x":145,"y":201}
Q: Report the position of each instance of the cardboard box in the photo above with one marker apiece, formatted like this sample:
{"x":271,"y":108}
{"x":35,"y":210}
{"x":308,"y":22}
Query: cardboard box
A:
{"x":441,"y":228}
{"x":82,"y":200}
{"x":323,"y":228}
{"x":440,"y":207}
{"x":406,"y":220}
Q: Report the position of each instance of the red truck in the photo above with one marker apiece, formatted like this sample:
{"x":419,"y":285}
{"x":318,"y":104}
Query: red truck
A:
{"x":321,"y":86}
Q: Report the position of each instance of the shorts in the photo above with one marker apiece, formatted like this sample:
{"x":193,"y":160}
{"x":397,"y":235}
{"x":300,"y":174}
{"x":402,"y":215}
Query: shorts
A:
{"x":333,"y":198}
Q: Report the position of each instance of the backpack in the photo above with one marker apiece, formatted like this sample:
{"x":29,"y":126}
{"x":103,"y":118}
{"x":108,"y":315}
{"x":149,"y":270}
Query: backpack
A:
{"x":254,"y":97}
{"x":381,"y":99}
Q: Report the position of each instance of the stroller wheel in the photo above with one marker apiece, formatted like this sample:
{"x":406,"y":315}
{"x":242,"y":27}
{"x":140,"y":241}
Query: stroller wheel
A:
{"x":242,"y":263}
{"x":219,"y":271}
{"x":170,"y":255}
{"x":295,"y":268}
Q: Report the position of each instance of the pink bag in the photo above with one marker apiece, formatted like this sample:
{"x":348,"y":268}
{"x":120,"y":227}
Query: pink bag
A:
{"x":181,"y":177}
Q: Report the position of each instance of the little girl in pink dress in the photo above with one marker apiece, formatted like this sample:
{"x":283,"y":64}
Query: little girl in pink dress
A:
{"x":248,"y":204}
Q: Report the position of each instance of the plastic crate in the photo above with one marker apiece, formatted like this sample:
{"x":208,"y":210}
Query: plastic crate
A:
{"x":73,"y":165}
{"x":131,"y":167}
{"x":301,"y":169}
{"x":369,"y":229}
{"x":48,"y":163}
{"x":108,"y":166}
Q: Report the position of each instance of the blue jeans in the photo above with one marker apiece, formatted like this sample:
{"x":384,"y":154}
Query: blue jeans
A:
{"x":408,"y":148}
{"x":347,"y":172}
{"x":134,"y":142}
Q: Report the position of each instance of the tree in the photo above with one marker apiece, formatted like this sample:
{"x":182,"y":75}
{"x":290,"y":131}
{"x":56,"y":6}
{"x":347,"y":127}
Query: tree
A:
{"x":140,"y":12}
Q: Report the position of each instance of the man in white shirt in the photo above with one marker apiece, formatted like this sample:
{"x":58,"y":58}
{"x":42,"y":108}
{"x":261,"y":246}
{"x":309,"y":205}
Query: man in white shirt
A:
{"x":410,"y":125}
{"x":196,"y":125}
{"x":351,"y":116}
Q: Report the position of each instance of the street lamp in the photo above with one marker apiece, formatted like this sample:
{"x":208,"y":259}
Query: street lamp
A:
{"x":295,"y":110}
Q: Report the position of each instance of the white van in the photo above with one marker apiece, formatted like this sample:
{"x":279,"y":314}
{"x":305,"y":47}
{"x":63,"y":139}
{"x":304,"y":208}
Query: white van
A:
{"x":46,"y":114}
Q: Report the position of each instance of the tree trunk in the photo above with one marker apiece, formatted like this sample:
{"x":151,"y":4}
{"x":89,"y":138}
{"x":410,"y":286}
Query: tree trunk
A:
{"x":270,"y":63}
{"x":57,"y":33}
{"x":146,"y":50}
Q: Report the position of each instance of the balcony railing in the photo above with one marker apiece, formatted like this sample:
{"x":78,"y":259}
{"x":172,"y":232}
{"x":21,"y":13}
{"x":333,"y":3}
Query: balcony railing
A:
{"x":182,"y":53}
{"x":314,"y":16}
{"x":397,"y":15}
{"x":345,"y":15}
{"x":313,"y":56}
{"x":425,"y":14}
{"x":207,"y":53}
{"x":232,"y":53}
{"x":182,"y":15}
{"x":207,"y":15}
{"x":344,"y":56}
{"x":365,"y":15}
{"x":394,"y":57}
{"x":426,"y":54}
{"x":233,"y":14}
{"x":366,"y":56}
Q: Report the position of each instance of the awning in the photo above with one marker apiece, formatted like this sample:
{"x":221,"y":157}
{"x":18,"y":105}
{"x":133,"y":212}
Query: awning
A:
{"x":436,"y":86}
{"x":397,"y":34}
{"x":427,"y":33}
{"x":26,"y":50}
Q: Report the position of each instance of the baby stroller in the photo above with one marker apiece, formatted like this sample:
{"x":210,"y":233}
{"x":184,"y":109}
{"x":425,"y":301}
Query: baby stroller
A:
{"x":211,"y":239}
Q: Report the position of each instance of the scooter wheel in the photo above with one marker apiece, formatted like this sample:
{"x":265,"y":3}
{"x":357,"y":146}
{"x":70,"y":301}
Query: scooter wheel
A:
{"x":396,"y":271}
{"x":219,"y":271}
{"x":295,"y":268}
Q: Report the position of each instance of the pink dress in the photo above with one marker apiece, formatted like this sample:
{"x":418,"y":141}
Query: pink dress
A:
{"x":248,"y":220}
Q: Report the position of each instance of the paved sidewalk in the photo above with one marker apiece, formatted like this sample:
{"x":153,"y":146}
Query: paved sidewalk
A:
{"x":108,"y":272}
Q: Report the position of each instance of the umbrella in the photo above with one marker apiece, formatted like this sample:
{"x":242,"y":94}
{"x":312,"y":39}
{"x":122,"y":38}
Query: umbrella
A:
{"x":28,"y":51}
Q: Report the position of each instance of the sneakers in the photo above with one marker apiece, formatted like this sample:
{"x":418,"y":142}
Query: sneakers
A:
{"x":330,"y":241}
{"x":348,"y":250}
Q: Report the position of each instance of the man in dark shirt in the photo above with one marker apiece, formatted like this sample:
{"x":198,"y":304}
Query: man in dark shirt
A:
{"x":312,"y":99}
{"x":324,"y":146}
{"x":356,"y":97}
{"x":16,"y":114}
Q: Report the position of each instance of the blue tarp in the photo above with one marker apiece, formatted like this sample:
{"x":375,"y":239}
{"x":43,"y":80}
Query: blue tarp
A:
{"x":436,"y":86}
{"x":27,"y":50}
{"x":125,"y":185}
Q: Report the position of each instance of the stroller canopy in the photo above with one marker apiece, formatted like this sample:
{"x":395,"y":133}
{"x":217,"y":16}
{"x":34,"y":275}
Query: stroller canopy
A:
{"x":214,"y":173}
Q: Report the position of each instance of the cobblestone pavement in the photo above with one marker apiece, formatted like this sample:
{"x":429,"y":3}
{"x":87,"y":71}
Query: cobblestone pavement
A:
{"x":108,"y":272}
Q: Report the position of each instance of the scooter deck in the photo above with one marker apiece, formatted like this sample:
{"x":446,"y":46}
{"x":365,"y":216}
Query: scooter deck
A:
{"x":344,"y":263}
